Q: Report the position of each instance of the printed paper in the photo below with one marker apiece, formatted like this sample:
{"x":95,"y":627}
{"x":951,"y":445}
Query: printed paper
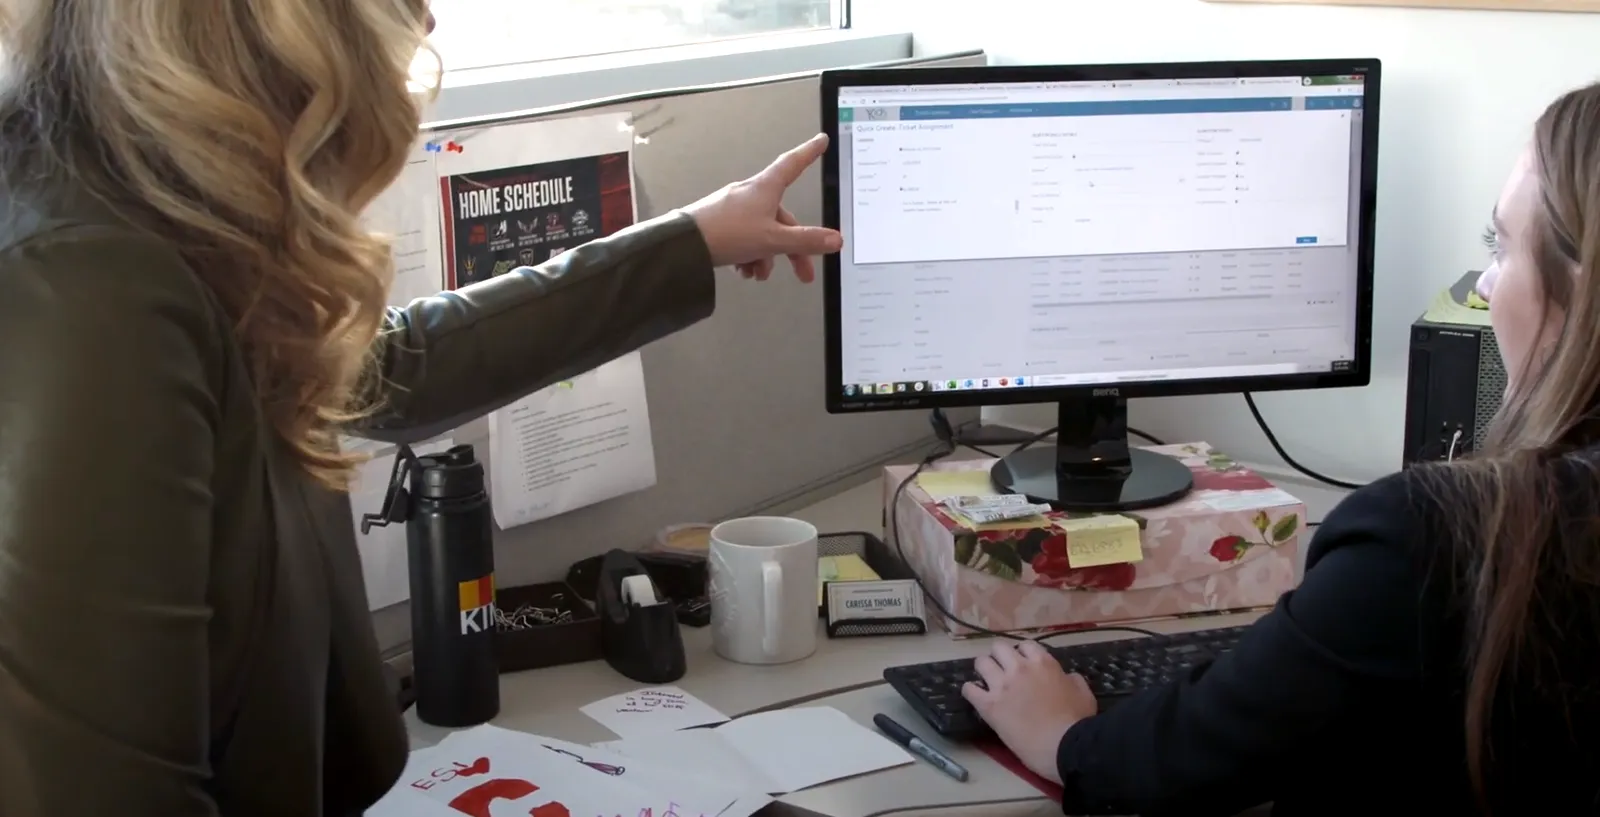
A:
{"x":572,"y":445}
{"x":409,"y":212}
{"x":1229,"y":501}
{"x":652,"y":711}
{"x":518,"y":195}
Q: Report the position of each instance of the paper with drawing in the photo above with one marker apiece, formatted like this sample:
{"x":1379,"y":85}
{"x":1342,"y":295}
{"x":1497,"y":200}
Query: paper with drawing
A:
{"x":652,"y":711}
{"x":706,"y":791}
{"x":484,"y":774}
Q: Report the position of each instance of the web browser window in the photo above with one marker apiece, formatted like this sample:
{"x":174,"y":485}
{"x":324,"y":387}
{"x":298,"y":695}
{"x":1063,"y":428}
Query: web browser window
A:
{"x":1127,"y":230}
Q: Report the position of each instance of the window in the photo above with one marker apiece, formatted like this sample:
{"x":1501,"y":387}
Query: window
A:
{"x":489,"y":33}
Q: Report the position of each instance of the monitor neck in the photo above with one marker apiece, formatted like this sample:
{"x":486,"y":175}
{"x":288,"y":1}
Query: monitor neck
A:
{"x":1092,"y":438}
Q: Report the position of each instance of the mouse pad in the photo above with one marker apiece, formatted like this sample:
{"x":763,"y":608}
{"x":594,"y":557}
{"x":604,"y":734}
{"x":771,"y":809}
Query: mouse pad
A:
{"x":1003,"y":756}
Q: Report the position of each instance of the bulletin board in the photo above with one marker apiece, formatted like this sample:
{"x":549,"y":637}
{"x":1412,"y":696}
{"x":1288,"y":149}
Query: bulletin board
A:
{"x":736,"y":402}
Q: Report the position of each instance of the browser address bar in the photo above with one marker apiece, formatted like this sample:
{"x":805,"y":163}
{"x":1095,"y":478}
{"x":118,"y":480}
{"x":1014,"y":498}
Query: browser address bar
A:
{"x":904,"y":100}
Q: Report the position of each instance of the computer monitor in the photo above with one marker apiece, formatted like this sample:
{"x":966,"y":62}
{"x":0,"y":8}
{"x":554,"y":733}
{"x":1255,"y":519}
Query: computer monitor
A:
{"x":1086,"y":234}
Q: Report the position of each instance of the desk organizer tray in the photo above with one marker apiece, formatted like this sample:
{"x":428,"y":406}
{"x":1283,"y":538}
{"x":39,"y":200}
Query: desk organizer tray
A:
{"x":871,"y":549}
{"x":1228,"y":546}
{"x":572,"y":641}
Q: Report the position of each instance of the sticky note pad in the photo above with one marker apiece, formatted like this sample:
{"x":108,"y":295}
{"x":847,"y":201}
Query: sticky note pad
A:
{"x":1108,"y":539}
{"x":945,"y":484}
{"x":846,"y":568}
{"x":1025,"y":523}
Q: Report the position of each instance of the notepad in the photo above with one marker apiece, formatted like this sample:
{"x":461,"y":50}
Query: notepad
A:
{"x":1106,"y":539}
{"x":945,"y":484}
{"x":781,"y":751}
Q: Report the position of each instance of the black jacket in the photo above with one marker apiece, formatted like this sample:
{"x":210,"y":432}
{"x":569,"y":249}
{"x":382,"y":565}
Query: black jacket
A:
{"x":1348,"y":698}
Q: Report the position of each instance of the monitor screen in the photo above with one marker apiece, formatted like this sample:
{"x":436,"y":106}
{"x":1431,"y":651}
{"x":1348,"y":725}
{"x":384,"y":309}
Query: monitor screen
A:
{"x":1014,"y":236}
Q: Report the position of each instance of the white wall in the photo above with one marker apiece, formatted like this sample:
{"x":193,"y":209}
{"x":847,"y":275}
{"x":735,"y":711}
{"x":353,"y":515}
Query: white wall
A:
{"x":1461,"y":90}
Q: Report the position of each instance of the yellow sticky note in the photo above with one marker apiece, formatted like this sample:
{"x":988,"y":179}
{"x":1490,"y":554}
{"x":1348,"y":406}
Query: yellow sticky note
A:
{"x":1025,"y":523}
{"x":1108,"y":539}
{"x":846,"y":568}
{"x":945,"y":484}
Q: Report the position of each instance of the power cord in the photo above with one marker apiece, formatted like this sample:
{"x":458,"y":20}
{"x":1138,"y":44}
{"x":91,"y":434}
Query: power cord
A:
{"x":946,"y":436}
{"x":1250,"y":400}
{"x":983,"y":444}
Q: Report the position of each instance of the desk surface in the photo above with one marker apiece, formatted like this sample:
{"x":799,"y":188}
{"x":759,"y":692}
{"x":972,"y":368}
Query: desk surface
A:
{"x":845,"y":673}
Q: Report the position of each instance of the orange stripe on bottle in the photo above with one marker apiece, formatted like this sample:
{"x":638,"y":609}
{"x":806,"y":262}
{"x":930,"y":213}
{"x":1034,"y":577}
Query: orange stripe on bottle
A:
{"x":476,"y":593}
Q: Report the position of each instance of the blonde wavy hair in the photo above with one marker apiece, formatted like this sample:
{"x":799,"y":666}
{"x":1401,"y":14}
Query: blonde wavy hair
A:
{"x":250,"y":134}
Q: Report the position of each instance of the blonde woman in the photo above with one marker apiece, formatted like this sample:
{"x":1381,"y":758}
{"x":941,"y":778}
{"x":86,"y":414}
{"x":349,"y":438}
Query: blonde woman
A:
{"x":1442,"y":655}
{"x":189,"y":314}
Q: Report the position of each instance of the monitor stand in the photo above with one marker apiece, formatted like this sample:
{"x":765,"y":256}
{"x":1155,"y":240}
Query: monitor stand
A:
{"x":1091,"y":467}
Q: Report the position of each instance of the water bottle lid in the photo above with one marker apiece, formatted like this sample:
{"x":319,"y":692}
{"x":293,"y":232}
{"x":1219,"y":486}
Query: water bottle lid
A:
{"x":448,"y":475}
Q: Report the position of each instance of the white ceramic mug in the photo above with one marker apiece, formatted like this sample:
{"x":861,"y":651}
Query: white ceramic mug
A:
{"x":764,"y":589}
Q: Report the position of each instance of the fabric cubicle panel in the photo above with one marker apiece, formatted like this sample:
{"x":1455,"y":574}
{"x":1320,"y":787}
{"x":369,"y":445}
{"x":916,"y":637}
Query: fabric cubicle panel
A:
{"x":735,"y":402}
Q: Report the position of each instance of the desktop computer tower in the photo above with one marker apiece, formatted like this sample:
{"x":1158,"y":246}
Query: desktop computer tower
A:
{"x":1456,"y":379}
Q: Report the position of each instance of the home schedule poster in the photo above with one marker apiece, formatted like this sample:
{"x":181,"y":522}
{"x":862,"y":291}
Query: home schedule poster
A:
{"x":519,"y":195}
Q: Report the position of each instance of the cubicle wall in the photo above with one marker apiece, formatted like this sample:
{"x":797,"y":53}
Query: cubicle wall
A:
{"x":736,"y":402}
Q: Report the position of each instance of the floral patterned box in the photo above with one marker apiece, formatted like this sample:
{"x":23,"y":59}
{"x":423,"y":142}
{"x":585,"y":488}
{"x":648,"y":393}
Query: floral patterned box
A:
{"x":1228,"y":546}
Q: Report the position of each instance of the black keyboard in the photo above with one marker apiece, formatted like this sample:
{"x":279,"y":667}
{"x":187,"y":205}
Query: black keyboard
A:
{"x":1114,"y":670}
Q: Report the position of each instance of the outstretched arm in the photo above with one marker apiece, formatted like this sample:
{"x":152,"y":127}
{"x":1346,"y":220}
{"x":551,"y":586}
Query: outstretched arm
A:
{"x":452,"y":358}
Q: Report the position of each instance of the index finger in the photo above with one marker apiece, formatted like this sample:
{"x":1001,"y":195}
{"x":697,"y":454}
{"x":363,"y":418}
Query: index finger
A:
{"x":786,"y":169}
{"x":1034,"y":650}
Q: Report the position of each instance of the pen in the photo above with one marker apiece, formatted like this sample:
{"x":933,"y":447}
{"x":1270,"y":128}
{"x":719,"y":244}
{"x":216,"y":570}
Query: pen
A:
{"x":903,"y":736}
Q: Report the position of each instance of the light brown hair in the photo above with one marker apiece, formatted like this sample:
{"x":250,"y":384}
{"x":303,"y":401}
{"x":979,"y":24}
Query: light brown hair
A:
{"x":1530,"y":500}
{"x":250,"y":134}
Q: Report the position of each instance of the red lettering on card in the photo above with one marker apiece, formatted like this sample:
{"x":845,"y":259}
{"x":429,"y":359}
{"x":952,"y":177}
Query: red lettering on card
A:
{"x":474,"y":802}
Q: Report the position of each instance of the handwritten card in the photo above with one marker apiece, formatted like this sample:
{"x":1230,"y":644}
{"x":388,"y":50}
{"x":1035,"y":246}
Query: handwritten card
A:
{"x":1106,"y":539}
{"x":652,"y":711}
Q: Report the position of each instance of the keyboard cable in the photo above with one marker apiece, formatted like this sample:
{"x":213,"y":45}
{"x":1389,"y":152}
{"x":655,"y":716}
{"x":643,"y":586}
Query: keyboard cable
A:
{"x":946,"y":446}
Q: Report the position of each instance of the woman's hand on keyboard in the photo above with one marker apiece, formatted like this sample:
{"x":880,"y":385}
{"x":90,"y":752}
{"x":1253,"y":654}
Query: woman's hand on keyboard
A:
{"x":1029,"y":702}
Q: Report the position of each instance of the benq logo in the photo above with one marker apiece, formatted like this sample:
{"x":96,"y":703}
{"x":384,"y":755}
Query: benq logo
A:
{"x":1106,"y":393}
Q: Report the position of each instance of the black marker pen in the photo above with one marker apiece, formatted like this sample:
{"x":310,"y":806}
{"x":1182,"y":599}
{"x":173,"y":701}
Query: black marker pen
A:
{"x":903,"y":736}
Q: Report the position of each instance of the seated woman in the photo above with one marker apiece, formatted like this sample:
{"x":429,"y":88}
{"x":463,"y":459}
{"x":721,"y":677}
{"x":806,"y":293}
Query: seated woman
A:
{"x":1442,"y":655}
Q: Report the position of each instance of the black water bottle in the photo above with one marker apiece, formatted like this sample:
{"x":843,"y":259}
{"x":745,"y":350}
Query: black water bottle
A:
{"x":450,"y":550}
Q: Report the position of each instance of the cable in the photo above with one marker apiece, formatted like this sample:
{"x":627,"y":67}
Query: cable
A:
{"x":1025,"y":440}
{"x":1148,"y":438}
{"x":946,"y":447}
{"x":1250,"y":400}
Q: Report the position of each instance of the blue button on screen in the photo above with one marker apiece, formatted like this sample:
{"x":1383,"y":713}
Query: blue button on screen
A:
{"x":1306,"y":239}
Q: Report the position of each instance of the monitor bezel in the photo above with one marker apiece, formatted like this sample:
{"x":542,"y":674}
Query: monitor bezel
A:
{"x":1360,"y":373}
